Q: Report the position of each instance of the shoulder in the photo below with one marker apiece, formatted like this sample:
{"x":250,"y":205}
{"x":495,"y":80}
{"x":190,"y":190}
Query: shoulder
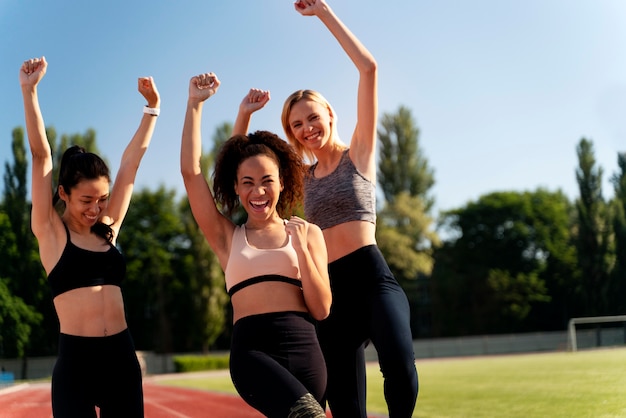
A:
{"x":238,"y":230}
{"x":315,"y":232}
{"x":363,"y":160}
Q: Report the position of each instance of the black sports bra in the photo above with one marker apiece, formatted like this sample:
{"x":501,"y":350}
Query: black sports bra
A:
{"x":78,"y":268}
{"x":264,"y":278}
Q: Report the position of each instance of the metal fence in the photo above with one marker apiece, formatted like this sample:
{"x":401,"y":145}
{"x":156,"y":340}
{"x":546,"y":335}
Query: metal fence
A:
{"x":41,"y":367}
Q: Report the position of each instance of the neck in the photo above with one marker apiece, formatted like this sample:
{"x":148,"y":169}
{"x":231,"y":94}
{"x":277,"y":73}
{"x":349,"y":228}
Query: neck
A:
{"x":329,"y":155}
{"x":76,"y":226}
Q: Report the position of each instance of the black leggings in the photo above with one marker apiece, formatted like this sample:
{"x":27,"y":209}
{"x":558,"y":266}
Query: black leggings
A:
{"x":275,"y":359}
{"x":368,"y":304}
{"x":97,"y":371}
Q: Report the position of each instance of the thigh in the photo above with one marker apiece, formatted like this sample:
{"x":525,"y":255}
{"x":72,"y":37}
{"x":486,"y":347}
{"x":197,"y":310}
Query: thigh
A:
{"x":73,"y":383}
{"x":267,"y":367}
{"x":304,"y":359}
{"x":260,"y":379}
{"x":390,"y":328}
{"x":122,"y":391}
{"x":342,"y":336}
{"x":123,"y":395}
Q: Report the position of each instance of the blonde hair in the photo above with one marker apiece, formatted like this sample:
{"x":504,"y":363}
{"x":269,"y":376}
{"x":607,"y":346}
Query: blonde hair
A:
{"x":294,"y":98}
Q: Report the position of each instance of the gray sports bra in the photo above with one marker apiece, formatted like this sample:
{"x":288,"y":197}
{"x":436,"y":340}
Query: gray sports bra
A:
{"x":342,"y":196}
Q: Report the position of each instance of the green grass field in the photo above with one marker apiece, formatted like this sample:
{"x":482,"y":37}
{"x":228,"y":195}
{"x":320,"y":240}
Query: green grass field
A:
{"x":549,"y":385}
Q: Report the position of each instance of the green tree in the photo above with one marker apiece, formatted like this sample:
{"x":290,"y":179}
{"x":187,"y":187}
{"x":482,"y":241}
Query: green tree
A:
{"x":594,"y":234}
{"x":211,"y":303}
{"x":17,"y":319}
{"x":87,"y":140}
{"x":405,"y":235}
{"x":504,"y":254}
{"x":156,"y":292}
{"x":206,"y":286}
{"x":24,"y":276}
{"x":26,"y":270}
{"x":618,"y":278}
{"x":404,"y":231}
{"x":402,"y":166}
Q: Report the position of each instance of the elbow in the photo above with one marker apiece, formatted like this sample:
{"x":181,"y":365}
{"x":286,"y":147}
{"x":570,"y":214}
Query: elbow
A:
{"x":185,"y":172}
{"x":188,"y":171}
{"x":322,"y":311}
{"x":320,"y":316}
{"x":370,"y":67}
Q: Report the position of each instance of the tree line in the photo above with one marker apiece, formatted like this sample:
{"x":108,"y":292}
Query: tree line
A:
{"x":510,"y":261}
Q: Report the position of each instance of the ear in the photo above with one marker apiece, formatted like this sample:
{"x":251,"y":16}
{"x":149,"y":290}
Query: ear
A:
{"x":64,"y":196}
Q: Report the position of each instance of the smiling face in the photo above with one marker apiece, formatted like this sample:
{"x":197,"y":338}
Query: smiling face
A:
{"x":86,"y":200}
{"x":310,"y":124}
{"x":259,"y":186}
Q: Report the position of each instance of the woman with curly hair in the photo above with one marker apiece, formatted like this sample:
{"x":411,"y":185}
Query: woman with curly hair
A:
{"x":274,"y":266}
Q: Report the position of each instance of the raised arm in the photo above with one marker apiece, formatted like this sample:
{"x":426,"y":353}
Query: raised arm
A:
{"x":255,"y":99}
{"x":131,"y":158}
{"x":363,"y":142}
{"x":45,"y":222}
{"x":217,"y":229}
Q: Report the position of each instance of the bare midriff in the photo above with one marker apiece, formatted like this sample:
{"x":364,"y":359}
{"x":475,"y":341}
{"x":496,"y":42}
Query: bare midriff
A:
{"x":266,"y":297}
{"x":348,"y":237}
{"x":95,"y":311}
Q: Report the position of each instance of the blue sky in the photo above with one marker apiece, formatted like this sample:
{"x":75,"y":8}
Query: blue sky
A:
{"x":502,"y":91}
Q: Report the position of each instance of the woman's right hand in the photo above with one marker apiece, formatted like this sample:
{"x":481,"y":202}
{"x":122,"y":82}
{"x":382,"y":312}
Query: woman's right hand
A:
{"x":309,"y":7}
{"x":148,"y":89}
{"x":32,"y":71}
{"x":255,"y":100}
{"x":203,"y":86}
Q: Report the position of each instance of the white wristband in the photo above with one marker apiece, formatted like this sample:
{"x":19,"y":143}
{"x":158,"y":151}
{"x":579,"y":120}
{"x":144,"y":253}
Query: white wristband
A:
{"x":154,"y":111}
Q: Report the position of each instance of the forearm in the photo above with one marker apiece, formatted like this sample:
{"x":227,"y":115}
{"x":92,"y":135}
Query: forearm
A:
{"x":242,"y":122}
{"x":35,"y":127}
{"x":315,"y":287}
{"x":139,"y":143}
{"x":191,"y":144}
{"x":358,"y":53}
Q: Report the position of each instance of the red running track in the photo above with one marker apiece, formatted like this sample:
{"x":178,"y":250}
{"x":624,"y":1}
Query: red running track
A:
{"x":33,"y":401}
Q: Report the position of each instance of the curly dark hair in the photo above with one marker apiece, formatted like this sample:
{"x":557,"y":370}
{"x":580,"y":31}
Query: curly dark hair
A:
{"x":77,"y":165}
{"x":235,"y":150}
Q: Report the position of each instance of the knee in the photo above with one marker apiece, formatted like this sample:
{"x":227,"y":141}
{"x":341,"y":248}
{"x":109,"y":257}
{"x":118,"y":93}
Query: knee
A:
{"x":399,"y":369}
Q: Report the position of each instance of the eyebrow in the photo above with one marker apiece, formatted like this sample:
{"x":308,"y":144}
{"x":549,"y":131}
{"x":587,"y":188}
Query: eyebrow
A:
{"x":262,"y":178}
{"x":87,"y":196}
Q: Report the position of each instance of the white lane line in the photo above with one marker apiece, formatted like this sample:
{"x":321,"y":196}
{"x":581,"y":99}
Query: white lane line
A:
{"x":14,"y":388}
{"x":165,"y":408}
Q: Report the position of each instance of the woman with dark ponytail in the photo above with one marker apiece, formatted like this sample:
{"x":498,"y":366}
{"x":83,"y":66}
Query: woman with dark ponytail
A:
{"x":97,"y":365}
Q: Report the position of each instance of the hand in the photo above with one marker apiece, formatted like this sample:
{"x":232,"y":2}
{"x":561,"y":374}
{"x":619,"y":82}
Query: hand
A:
{"x":32,"y":71}
{"x":148,"y":90}
{"x":203,"y":86}
{"x":309,"y":7}
{"x":255,"y":99}
{"x":297,"y":228}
